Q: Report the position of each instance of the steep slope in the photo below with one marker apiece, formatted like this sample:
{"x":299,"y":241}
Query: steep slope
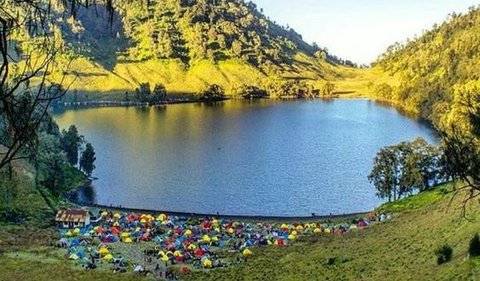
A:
{"x":184,"y":44}
{"x":427,"y":73}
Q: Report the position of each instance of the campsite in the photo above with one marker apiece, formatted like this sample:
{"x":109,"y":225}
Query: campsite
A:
{"x":239,"y":140}
{"x":163,"y":246}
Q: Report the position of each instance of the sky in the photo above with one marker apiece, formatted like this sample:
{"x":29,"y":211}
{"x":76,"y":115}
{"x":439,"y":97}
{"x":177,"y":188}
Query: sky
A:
{"x":360,"y":30}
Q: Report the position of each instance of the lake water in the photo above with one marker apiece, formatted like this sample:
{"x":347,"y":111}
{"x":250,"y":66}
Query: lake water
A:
{"x":289,"y":158}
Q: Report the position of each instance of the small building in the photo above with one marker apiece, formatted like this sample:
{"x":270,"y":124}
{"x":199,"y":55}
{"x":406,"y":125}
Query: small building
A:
{"x":70,"y":218}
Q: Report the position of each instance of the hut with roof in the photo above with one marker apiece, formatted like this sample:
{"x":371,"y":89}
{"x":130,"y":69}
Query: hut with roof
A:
{"x":70,"y":218}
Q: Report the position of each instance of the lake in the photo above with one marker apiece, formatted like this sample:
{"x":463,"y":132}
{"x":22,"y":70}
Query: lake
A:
{"x":281,"y":158}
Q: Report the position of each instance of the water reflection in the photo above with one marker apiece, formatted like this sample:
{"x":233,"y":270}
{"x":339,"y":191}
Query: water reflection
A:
{"x":253,"y":157}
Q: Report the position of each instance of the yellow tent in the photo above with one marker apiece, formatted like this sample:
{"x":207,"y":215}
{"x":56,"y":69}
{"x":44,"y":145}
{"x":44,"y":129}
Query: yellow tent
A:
{"x":327,"y":230}
{"x":164,"y":258}
{"x":207,"y":263}
{"x":116,"y":224}
{"x":117,"y":215}
{"x":76,"y":231}
{"x":104,"y":213}
{"x":69,"y":234}
{"x":125,"y":235}
{"x":231,"y":231}
{"x":162,"y":217}
{"x":206,"y":239}
{"x":188,"y":232}
{"x":299,"y":227}
{"x":292,"y":237}
{"x":317,"y":230}
{"x":103,"y":251}
{"x":108,"y":257}
{"x":143,"y":221}
{"x":215,"y":239}
{"x":128,"y":240}
{"x":294,"y":232}
{"x":192,"y":247}
{"x":247,"y":252}
{"x":177,"y":253}
{"x":284,"y":226}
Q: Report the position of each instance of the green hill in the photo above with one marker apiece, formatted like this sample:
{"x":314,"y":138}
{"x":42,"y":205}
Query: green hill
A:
{"x":428,"y":72}
{"x":183,"y":44}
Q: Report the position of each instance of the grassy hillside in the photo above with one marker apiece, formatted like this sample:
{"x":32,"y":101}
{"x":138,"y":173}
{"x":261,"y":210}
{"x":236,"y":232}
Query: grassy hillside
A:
{"x":184,"y":44}
{"x":428,"y":72}
{"x":401,"y":249}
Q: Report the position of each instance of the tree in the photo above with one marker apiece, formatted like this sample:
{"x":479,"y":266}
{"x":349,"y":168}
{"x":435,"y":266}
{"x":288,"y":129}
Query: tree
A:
{"x":71,"y":142}
{"x":159,"y":93}
{"x":251,"y":92}
{"x":87,"y":161}
{"x":402,"y":169}
{"x":461,"y":139}
{"x":143,"y":92}
{"x":213,"y":93}
{"x":384,"y":174}
{"x":23,"y":107}
{"x":328,"y":89}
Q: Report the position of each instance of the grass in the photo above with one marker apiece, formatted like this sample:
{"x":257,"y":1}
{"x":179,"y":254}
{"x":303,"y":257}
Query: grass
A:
{"x":400,"y":249}
{"x":91,"y":81}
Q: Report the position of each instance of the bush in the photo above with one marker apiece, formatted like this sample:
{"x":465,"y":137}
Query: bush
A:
{"x":474,"y":248}
{"x":444,"y":254}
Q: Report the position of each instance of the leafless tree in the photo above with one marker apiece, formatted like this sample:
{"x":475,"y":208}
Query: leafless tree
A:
{"x":26,"y":93}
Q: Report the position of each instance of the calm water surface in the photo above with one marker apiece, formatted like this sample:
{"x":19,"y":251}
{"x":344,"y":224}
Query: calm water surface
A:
{"x":244,"y":158}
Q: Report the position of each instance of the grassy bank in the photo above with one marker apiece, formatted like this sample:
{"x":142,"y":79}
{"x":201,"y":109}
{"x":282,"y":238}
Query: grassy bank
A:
{"x":401,"y":249}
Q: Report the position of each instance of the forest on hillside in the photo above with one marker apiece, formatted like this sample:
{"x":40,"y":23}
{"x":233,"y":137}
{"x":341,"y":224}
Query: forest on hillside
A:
{"x":433,"y":71}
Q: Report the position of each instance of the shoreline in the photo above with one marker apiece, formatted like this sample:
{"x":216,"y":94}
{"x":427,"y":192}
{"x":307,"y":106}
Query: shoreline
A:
{"x":113,"y":103}
{"x":313,"y":218}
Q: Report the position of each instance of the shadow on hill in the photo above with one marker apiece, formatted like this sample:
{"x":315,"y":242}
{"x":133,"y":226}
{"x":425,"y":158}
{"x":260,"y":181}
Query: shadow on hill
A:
{"x":95,"y":35}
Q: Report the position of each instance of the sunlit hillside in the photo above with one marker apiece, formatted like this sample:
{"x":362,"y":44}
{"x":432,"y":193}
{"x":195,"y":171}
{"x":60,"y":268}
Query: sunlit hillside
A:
{"x":428,"y":72}
{"x":185,"y":45}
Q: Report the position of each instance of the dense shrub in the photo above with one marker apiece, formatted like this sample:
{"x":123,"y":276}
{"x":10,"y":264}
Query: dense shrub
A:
{"x":444,"y":254}
{"x":474,"y":248}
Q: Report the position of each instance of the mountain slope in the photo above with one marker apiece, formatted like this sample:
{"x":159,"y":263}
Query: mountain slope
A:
{"x":184,"y":44}
{"x":426,"y":73}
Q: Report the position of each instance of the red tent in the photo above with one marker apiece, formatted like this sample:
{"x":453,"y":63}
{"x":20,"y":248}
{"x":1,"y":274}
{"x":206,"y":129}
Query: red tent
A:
{"x":199,"y":253}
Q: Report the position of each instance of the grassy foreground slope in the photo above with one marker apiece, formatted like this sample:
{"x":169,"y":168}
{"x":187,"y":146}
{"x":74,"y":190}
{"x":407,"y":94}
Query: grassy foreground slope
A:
{"x":401,"y":249}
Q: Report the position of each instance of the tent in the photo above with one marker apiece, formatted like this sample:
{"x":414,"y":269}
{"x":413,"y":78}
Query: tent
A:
{"x":206,"y":239}
{"x":108,"y":257}
{"x":207,"y":263}
{"x":247,"y":253}
{"x":103,"y":251}
{"x":73,"y":257}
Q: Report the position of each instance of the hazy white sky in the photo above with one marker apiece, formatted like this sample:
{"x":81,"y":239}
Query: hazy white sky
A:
{"x":360,"y":30}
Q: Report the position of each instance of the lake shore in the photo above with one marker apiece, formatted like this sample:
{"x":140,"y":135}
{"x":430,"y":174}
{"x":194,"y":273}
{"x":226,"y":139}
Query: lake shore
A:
{"x":312,"y":218}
